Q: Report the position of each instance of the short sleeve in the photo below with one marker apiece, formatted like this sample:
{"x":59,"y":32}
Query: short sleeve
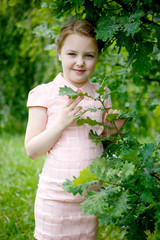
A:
{"x":38,"y":97}
{"x":108,"y":103}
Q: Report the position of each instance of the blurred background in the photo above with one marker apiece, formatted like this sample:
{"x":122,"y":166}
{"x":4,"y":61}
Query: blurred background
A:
{"x":129,"y":62}
{"x":28,"y":58}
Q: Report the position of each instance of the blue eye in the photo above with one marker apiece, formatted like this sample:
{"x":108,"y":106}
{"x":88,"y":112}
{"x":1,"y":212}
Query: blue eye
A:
{"x":89,"y":56}
{"x":71,"y":54}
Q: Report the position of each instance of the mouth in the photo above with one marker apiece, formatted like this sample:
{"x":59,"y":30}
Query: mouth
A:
{"x":79,"y":71}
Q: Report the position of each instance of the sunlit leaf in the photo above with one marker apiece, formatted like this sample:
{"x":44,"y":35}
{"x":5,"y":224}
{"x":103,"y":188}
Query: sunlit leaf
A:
{"x":66,"y":91}
{"x":85,"y":176}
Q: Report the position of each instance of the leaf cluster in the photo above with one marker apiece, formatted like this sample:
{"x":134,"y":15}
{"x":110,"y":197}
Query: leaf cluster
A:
{"x":103,"y":94}
{"x":128,"y":175}
{"x":123,"y":185}
{"x":133,"y":25}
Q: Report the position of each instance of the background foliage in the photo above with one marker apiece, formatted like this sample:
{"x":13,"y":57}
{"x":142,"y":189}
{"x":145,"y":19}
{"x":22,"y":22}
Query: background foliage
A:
{"x":129,"y":63}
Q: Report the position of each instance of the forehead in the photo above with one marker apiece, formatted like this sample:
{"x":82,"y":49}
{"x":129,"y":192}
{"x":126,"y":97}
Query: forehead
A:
{"x":79,"y":42}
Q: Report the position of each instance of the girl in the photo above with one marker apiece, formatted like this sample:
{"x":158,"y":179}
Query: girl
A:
{"x":52,"y":129}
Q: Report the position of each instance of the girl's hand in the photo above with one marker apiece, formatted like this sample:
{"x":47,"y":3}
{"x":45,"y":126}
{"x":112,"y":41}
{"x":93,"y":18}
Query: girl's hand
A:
{"x":40,"y":140}
{"x":69,"y":110}
{"x":118,"y":122}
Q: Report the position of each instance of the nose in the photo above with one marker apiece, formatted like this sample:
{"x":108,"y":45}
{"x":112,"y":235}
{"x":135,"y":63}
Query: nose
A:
{"x":80,"y":61}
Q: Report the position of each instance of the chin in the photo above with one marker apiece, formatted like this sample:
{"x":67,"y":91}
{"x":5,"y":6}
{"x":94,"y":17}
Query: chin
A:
{"x":80,"y":81}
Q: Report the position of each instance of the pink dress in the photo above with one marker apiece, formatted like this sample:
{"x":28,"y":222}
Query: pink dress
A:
{"x":57,"y":213}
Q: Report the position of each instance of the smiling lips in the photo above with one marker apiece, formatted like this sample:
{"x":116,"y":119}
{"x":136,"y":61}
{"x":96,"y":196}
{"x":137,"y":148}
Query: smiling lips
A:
{"x":79,"y":71}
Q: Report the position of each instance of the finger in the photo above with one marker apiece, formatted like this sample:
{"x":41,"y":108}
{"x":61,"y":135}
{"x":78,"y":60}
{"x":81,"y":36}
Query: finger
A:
{"x":112,"y":111}
{"x":69,"y":101}
{"x":115,"y":111}
{"x":77,"y":110}
{"x":76,"y":102}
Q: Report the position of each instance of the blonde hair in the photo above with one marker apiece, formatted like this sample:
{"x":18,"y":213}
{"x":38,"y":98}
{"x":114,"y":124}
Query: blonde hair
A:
{"x":81,"y":27}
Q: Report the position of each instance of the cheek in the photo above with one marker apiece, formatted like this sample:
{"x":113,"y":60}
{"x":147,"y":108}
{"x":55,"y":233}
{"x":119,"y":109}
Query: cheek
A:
{"x":92,"y":65}
{"x":67,"y":63}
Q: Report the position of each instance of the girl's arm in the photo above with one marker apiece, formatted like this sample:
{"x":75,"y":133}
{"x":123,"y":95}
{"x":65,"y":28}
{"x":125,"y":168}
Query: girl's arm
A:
{"x":38,"y":139}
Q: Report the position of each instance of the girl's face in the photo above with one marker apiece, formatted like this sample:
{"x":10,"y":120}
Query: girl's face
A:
{"x":79,"y":55}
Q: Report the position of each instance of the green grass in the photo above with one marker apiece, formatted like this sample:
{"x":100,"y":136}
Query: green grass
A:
{"x":18,"y":184}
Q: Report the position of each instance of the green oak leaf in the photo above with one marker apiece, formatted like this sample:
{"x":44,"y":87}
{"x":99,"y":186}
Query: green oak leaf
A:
{"x":92,"y":109}
{"x":99,"y":166}
{"x":131,"y":28}
{"x":89,"y":121}
{"x":147,"y":196}
{"x":132,"y":114}
{"x":93,"y":135}
{"x":95,"y":202}
{"x":147,"y":153}
{"x":133,"y":157}
{"x":112,"y":116}
{"x":85,"y":176}
{"x":121,"y":205}
{"x":68,"y":186}
{"x":78,"y":115}
{"x":128,"y":169}
{"x":66,"y":91}
{"x":107,"y":27}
